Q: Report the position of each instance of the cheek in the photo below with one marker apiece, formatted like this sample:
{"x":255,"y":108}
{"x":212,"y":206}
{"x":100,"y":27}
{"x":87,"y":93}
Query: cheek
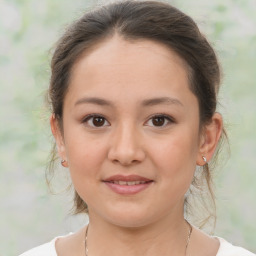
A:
{"x":85,"y":164}
{"x":85,"y":157}
{"x":176,"y":159}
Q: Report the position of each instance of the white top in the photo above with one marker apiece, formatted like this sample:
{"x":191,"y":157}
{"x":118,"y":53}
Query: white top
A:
{"x":226,"y":249}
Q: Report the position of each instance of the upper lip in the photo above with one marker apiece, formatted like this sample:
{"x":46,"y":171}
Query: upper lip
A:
{"x":126,"y":178}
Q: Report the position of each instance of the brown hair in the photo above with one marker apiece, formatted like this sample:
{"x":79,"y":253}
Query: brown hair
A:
{"x":134,"y":20}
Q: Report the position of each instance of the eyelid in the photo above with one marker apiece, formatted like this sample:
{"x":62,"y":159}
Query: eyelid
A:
{"x":90,"y":116}
{"x":167,"y":117}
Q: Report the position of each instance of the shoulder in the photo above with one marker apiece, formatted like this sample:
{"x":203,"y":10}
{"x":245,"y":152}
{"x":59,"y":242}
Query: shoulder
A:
{"x":61,"y":244}
{"x":227,"y":249}
{"x":42,"y":250}
{"x":45,"y":249}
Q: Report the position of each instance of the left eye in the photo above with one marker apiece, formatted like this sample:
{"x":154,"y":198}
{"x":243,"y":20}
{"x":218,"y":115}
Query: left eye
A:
{"x":95,"y":121}
{"x":159,"y":121}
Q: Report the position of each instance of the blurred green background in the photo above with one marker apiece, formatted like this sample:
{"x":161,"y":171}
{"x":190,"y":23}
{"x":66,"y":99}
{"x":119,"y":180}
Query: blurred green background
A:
{"x":29,"y":215}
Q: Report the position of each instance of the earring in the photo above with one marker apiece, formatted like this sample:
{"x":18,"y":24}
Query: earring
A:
{"x":64,"y":163}
{"x":204,"y":158}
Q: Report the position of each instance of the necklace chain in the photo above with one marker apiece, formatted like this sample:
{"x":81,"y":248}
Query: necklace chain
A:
{"x":186,"y":248}
{"x":85,"y":242}
{"x":188,"y":238}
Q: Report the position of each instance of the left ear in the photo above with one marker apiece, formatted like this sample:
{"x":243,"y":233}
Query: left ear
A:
{"x":210,"y":136}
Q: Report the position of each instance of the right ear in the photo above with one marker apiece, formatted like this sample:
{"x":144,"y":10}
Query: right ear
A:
{"x":58,"y":135}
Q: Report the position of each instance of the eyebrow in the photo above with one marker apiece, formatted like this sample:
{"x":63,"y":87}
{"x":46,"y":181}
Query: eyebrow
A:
{"x":94,"y":100}
{"x":145,"y":103}
{"x":161,"y":100}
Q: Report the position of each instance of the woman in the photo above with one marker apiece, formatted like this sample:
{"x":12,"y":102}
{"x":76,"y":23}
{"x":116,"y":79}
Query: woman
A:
{"x":133,"y":95}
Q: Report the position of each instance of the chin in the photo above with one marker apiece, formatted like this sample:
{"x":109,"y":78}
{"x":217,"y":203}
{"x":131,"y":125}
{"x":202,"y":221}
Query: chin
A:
{"x":130,"y":222}
{"x":130,"y":218}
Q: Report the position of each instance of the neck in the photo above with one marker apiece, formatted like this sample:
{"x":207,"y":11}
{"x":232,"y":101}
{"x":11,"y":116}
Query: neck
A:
{"x":165,"y":237}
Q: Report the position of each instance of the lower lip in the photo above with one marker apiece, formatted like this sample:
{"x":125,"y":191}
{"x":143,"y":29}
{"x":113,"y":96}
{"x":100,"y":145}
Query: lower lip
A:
{"x":126,"y":189}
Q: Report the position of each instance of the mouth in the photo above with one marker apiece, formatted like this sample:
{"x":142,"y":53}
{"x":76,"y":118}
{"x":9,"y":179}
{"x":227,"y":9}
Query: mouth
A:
{"x":127,"y":185}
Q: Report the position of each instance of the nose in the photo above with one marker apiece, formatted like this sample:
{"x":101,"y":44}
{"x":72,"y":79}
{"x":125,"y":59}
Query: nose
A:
{"x":126,"y":146}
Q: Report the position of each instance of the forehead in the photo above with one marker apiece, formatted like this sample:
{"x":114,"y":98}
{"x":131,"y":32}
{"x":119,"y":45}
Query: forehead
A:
{"x":116,"y":50}
{"x":121,"y":69}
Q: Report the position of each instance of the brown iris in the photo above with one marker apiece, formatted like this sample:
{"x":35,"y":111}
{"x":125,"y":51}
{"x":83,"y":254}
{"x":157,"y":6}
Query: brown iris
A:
{"x":98,"y":121}
{"x":158,"y":121}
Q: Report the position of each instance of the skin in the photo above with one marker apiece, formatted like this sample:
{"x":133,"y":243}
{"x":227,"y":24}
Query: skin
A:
{"x":130,"y":76}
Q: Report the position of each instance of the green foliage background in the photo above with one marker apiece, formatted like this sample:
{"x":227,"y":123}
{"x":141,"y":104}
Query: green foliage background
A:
{"x":29,"y":215}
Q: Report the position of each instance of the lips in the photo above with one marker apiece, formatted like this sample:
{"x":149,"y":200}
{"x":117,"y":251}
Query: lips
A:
{"x":126,"y":178}
{"x":127,"y":185}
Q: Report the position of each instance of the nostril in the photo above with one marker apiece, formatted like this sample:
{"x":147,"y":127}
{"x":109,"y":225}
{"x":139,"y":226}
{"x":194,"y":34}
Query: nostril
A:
{"x":125,"y":162}
{"x":125,"y":156}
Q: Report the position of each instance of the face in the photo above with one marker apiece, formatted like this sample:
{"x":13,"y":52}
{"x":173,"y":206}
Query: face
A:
{"x":130,"y":132}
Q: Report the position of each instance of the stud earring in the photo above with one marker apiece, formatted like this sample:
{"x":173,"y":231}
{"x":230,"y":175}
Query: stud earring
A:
{"x":204,"y":158}
{"x":63,"y":163}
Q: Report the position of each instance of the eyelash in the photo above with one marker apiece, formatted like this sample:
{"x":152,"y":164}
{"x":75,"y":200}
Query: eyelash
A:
{"x":90,"y":117}
{"x":166,"y":117}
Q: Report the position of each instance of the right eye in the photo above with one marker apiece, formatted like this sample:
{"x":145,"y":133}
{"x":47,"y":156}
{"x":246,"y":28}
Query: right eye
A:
{"x":96,"y":121}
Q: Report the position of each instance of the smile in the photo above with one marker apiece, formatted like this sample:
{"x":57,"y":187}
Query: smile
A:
{"x":127,"y":185}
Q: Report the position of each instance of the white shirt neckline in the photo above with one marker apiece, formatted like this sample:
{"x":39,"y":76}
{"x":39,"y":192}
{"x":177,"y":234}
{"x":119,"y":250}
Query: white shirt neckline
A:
{"x":223,"y":245}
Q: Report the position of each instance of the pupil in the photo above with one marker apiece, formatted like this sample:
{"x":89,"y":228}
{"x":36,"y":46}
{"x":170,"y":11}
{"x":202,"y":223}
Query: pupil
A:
{"x":158,"y":121}
{"x":98,"y":121}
